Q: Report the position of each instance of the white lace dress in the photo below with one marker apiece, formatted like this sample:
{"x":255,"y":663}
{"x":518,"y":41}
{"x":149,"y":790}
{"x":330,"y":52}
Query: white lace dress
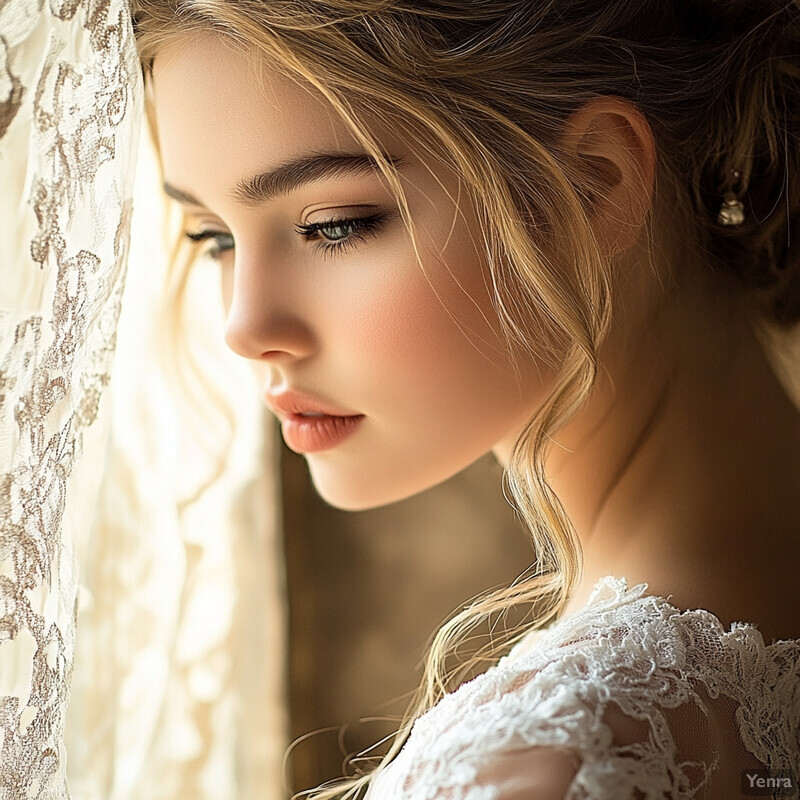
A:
{"x":629,"y":697}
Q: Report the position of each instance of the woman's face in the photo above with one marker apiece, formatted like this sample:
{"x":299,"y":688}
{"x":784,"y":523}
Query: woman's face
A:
{"x":323,"y":290}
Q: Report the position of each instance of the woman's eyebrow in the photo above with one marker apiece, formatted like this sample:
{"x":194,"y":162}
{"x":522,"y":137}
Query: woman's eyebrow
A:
{"x":292,"y":174}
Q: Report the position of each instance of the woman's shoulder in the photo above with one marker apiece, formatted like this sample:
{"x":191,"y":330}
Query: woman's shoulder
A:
{"x":599,"y":695}
{"x":629,"y":617}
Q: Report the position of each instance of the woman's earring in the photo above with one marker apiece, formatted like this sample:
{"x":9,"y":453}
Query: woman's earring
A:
{"x":732,"y":211}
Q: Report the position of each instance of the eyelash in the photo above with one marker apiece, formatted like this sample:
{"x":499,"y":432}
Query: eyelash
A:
{"x":360,"y":228}
{"x":216,"y":249}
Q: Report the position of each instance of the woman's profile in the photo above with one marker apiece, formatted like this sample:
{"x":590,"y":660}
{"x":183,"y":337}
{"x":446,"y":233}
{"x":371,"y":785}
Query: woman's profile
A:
{"x":557,"y":232}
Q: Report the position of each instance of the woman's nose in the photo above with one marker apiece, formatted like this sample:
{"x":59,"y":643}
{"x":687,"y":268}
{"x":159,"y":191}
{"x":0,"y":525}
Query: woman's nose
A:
{"x":263,"y":321}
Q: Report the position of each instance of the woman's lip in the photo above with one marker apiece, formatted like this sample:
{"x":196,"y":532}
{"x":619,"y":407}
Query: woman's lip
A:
{"x":292,"y":402}
{"x":312,"y":434}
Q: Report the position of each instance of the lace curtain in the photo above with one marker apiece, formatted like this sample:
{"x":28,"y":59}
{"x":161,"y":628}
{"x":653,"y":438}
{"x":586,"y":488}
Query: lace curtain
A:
{"x":141,"y":622}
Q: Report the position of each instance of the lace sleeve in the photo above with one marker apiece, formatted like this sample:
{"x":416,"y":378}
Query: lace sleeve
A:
{"x":70,"y":100}
{"x":631,"y":700}
{"x":587,"y":723}
{"x":619,"y":760}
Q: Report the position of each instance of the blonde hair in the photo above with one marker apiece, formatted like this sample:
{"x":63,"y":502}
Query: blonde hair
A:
{"x":488,"y":86}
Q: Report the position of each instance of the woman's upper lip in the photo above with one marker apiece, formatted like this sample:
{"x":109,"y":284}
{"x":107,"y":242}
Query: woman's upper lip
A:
{"x":291,"y":401}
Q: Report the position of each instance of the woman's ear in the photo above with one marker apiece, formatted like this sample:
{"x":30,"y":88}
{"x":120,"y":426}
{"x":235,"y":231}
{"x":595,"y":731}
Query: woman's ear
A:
{"x":615,"y":157}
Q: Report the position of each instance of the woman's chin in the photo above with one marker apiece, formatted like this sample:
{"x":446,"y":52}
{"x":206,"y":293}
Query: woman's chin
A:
{"x":361,"y":496}
{"x":363,"y":489}
{"x":363,"y":485}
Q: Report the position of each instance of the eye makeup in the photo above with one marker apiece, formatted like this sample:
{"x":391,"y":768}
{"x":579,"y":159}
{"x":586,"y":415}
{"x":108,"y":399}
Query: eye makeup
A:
{"x":338,"y":234}
{"x":220,"y":241}
{"x":333,"y":236}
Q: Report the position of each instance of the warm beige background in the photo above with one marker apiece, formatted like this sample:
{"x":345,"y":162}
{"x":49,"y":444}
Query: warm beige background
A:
{"x":368,"y":589}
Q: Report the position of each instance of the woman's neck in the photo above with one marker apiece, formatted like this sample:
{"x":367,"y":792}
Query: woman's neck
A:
{"x":681,"y":470}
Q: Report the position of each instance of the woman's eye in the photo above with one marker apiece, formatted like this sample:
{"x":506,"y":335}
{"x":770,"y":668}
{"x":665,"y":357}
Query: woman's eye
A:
{"x":341,"y":230}
{"x":333,"y":235}
{"x":220,"y":241}
{"x":338,"y":234}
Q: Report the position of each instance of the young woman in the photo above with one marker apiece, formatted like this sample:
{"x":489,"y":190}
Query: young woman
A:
{"x":557,"y":232}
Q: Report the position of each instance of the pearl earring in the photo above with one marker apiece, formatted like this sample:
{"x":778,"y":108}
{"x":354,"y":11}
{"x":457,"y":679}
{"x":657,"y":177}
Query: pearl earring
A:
{"x":732,"y":211}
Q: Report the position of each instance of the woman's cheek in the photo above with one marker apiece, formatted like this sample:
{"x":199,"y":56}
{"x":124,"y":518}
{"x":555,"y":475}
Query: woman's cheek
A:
{"x":426,"y":352}
{"x":390,"y":334}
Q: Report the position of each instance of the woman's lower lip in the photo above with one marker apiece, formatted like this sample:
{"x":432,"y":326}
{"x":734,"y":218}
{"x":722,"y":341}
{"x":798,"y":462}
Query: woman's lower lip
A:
{"x":311,"y":434}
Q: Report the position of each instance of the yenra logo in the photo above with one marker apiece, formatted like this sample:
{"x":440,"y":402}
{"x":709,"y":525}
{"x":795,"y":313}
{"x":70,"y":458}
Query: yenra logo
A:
{"x":756,"y":781}
{"x":768,"y":783}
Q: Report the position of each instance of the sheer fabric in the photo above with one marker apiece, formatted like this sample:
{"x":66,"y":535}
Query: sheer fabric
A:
{"x":178,"y":691}
{"x":173,"y":686}
{"x":70,"y":100}
{"x":628,"y":698}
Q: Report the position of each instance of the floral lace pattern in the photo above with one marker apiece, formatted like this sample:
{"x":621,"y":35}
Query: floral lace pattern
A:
{"x":70,"y":102}
{"x":625,"y":647}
